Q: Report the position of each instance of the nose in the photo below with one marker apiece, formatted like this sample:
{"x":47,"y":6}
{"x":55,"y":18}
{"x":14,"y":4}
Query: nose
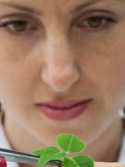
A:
{"x":60,"y":71}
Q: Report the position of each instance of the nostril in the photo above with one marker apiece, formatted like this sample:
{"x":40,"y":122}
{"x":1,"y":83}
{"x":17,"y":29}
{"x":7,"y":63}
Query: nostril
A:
{"x":3,"y":162}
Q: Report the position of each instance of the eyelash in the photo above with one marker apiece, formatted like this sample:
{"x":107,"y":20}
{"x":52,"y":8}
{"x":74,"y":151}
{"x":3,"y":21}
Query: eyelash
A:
{"x":9,"y":26}
{"x":106,"y":21}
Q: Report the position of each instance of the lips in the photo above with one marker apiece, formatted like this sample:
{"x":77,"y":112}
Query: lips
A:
{"x":64,"y":110}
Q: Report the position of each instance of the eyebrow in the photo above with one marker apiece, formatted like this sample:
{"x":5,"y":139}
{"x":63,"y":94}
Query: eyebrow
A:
{"x":89,"y":3}
{"x":21,"y":7}
{"x":37,"y":12}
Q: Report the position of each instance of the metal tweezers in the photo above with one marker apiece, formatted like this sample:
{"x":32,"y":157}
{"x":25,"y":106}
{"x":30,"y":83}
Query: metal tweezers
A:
{"x":20,"y":157}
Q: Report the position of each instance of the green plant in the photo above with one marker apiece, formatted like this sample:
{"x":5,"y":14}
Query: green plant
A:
{"x":71,"y":145}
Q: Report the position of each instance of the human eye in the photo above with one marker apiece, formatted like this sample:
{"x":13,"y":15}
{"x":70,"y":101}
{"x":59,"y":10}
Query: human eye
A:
{"x":17,"y":26}
{"x":96,"y":21}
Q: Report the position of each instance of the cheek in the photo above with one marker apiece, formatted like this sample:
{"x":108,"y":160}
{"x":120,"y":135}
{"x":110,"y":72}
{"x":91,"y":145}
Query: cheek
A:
{"x":102,"y":61}
{"x":17,"y":80}
{"x":106,"y":72}
{"x":16,"y":95}
{"x":19,"y":69}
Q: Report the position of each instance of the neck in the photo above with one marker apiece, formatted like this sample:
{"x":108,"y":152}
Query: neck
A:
{"x":104,"y":149}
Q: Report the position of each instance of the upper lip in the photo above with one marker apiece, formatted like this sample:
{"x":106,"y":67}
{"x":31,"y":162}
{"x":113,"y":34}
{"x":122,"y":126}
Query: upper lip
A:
{"x":61,"y":104}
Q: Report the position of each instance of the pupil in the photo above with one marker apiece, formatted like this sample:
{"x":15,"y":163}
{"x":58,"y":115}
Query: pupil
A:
{"x":20,"y":26}
{"x":95,"y":22}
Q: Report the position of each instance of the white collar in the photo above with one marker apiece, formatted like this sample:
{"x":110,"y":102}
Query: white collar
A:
{"x":5,"y":144}
{"x":121,"y":157}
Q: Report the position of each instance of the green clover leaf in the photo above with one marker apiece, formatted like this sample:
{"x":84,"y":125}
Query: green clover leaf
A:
{"x":78,"y":161}
{"x":51,"y":153}
{"x":40,"y":151}
{"x":70,"y":143}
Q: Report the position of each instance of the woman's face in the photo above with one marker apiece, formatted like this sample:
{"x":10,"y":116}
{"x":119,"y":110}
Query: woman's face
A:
{"x":59,"y":50}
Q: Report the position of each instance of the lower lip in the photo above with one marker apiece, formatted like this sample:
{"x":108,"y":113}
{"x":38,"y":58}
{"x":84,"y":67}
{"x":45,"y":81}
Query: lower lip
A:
{"x":64,"y":114}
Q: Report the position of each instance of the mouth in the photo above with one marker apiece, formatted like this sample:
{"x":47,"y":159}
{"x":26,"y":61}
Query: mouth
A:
{"x":64,"y":110}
